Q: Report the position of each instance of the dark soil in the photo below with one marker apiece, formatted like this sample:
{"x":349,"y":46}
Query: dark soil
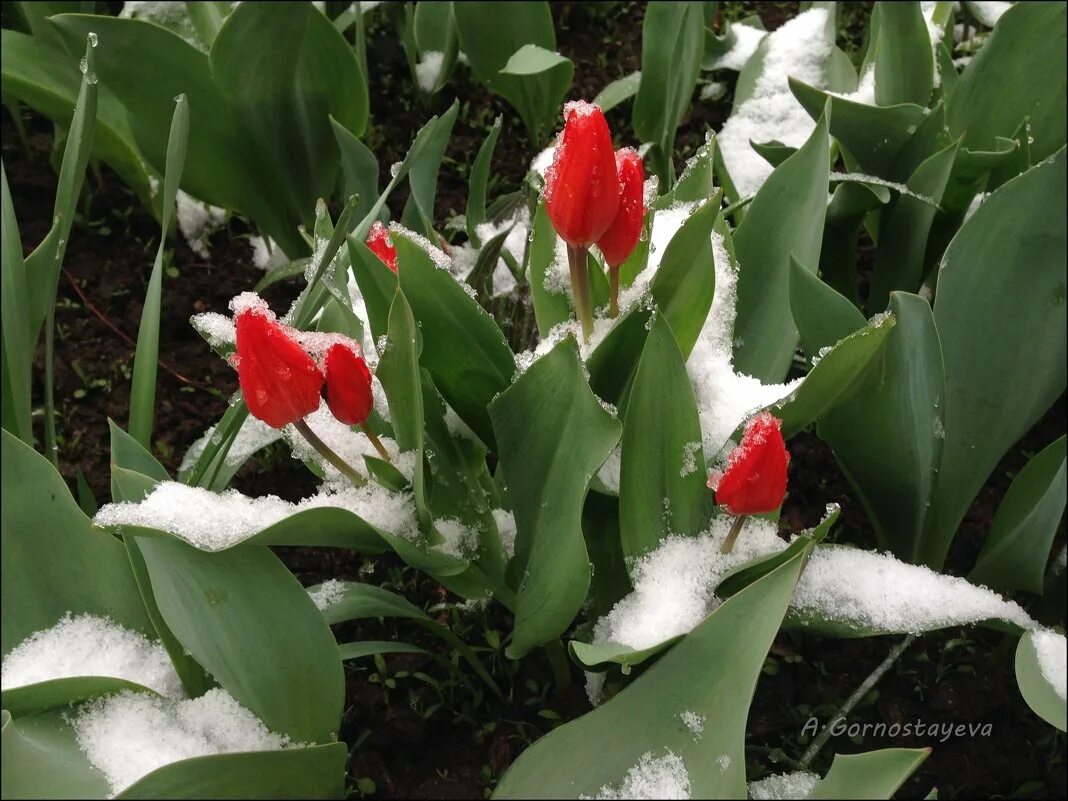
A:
{"x":416,"y":729}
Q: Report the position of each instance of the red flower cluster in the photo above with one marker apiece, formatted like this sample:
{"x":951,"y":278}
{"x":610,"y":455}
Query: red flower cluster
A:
{"x":755,"y":478}
{"x":593,"y":195}
{"x":281,"y":382}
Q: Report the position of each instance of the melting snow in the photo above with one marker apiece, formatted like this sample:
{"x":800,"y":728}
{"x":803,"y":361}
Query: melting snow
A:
{"x":128,"y":735}
{"x":428,"y":70}
{"x":799,"y":48}
{"x":746,"y":40}
{"x":988,"y":13}
{"x":694,"y":722}
{"x":87,"y":645}
{"x":653,"y":777}
{"x":506,"y":528}
{"x":328,"y":593}
{"x":266,"y":254}
{"x":1052,"y":656}
{"x":786,"y":786}
{"x":198,"y":221}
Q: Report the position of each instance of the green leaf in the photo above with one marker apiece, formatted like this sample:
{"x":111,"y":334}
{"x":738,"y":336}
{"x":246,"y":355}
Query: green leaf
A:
{"x":313,"y":772}
{"x":359,"y":169}
{"x":54,"y":562}
{"x":42,"y":759}
{"x":618,"y":91}
{"x":685,"y":281}
{"x":399,"y":372}
{"x":727,"y":650}
{"x":1034,"y":686}
{"x":662,"y":471}
{"x":822,"y":316}
{"x":243,"y":616}
{"x":1017,"y":547}
{"x":1000,"y":311}
{"x":673,"y":40}
{"x":550,"y":307}
{"x":434,"y":29}
{"x":1027,"y":42}
{"x":361,"y":650}
{"x":903,"y":230}
{"x":875,"y":774}
{"x":887,"y":436}
{"x":849,"y":204}
{"x":463,"y":349}
{"x":31,"y":699}
{"x":904,"y":59}
{"x":550,"y":417}
{"x":143,"y":388}
{"x":785,"y":219}
{"x":18,"y":347}
{"x":531,"y":60}
{"x":378,"y":285}
{"x":480,"y":172}
{"x":490,"y":33}
{"x":614,"y":360}
{"x":423,"y":174}
{"x":207,"y":18}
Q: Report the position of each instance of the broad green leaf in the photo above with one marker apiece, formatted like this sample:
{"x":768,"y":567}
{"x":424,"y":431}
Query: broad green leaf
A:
{"x":18,"y":348}
{"x":848,"y":206}
{"x":1000,"y":311}
{"x":1035,"y":687}
{"x":904,"y":60}
{"x":463,"y":349}
{"x":887,"y":436}
{"x":423,"y":174}
{"x":685,"y":281}
{"x":822,"y":316}
{"x":207,"y":18}
{"x":42,"y":759}
{"x":727,"y":651}
{"x":618,"y":91}
{"x":359,"y":169}
{"x":785,"y":219}
{"x":695,"y":183}
{"x":838,"y":373}
{"x":316,"y":771}
{"x":614,"y":360}
{"x":143,"y":386}
{"x":398,"y":370}
{"x":31,"y":699}
{"x":1017,"y":547}
{"x":480,"y":172}
{"x":1028,"y":42}
{"x":549,"y":417}
{"x":903,"y":230}
{"x":243,"y":616}
{"x":54,"y":562}
{"x":875,"y":774}
{"x":434,"y":30}
{"x":531,"y":60}
{"x":673,"y":39}
{"x":490,"y":33}
{"x":40,"y":73}
{"x":662,"y":471}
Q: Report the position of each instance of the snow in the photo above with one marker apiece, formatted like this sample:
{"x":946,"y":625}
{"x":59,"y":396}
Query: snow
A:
{"x":876,"y":591}
{"x":266,"y":254}
{"x":976,"y":202}
{"x":507,"y":530}
{"x":609,"y":472}
{"x":216,"y":521}
{"x":988,"y":13}
{"x":348,"y":443}
{"x":217,"y":329}
{"x":694,"y":722}
{"x":725,"y":398}
{"x":252,"y":436}
{"x":198,"y":221}
{"x":800,"y":49}
{"x":786,"y":786}
{"x":595,"y":687}
{"x":464,"y":256}
{"x":689,"y":458}
{"x":460,"y":540}
{"x":128,"y":735}
{"x":865,"y":91}
{"x":713,"y":91}
{"x":328,"y":593}
{"x":746,"y":40}
{"x":674,"y":584}
{"x":1051,"y":651}
{"x":428,"y":70}
{"x":87,"y":645}
{"x":173,"y":16}
{"x":653,"y":777}
{"x":543,"y":160}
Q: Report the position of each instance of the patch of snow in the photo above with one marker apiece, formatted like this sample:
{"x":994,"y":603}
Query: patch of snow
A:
{"x":800,"y":48}
{"x":350,"y":444}
{"x":1052,"y":655}
{"x":87,"y":645}
{"x":428,"y":70}
{"x":662,"y":777}
{"x":173,"y":16}
{"x":328,"y":593}
{"x":865,"y":91}
{"x":266,"y":254}
{"x":694,"y":722}
{"x":595,"y":687}
{"x":747,"y":39}
{"x":460,"y":540}
{"x":988,"y":13}
{"x":609,"y":472}
{"x":506,"y":529}
{"x":129,"y":735}
{"x":198,"y":221}
{"x":543,"y":160}
{"x":217,"y":329}
{"x":785,"y":786}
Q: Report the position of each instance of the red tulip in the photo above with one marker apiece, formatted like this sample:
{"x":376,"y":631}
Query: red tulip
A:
{"x":755,"y":478}
{"x":582,"y":185}
{"x":622,"y":235}
{"x":280,"y":382}
{"x":380,"y":243}
{"x":348,"y":385}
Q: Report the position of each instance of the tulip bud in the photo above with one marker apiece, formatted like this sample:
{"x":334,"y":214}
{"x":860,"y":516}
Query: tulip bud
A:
{"x":280,"y":382}
{"x":380,"y":243}
{"x":582,"y":185}
{"x":348,"y":385}
{"x":755,"y":478}
{"x":617,"y":243}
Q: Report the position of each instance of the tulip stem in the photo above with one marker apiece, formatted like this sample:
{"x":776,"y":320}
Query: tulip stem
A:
{"x":732,"y":535}
{"x":366,"y":429}
{"x":580,"y":288}
{"x":613,"y":295}
{"x":325,"y":451}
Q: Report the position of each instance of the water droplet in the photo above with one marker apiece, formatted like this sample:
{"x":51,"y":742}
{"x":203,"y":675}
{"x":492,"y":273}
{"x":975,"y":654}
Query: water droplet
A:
{"x":93,"y":39}
{"x":177,"y":98}
{"x":83,"y":65}
{"x":91,"y":78}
